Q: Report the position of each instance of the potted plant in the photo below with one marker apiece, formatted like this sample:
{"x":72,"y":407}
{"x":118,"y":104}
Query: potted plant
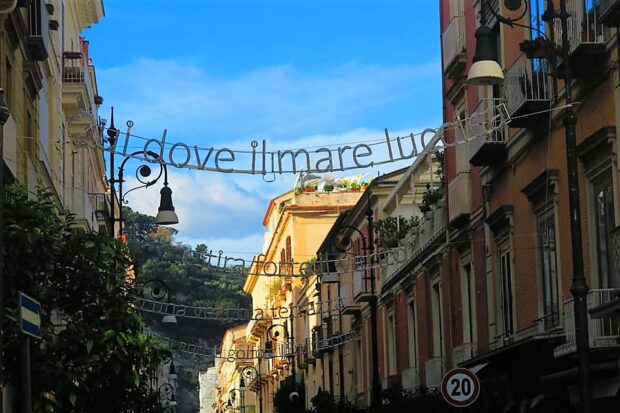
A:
{"x":310,"y":188}
{"x":354,"y":187}
{"x":328,"y":187}
{"x":537,"y":48}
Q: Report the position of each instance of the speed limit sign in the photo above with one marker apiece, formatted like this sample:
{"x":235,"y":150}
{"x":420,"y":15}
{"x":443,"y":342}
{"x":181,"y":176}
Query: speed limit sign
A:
{"x":460,"y":387}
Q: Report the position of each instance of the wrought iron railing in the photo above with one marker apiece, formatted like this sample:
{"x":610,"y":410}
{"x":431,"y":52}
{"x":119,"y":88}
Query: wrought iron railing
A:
{"x":487,"y":123}
{"x":434,"y":371}
{"x":526,"y":80}
{"x":604,"y":332}
{"x":453,"y":41}
{"x":584,"y":24}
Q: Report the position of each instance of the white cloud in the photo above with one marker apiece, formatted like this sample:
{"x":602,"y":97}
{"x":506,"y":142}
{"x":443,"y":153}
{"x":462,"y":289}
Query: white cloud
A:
{"x":287,"y":108}
{"x":206,"y":204}
{"x":225,"y":211}
{"x":265,"y":103}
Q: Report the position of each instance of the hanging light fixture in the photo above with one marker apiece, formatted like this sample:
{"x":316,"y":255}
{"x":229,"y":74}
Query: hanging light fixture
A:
{"x":485,"y":70}
{"x":166,"y":214}
{"x":172,"y":373}
{"x":169,"y":319}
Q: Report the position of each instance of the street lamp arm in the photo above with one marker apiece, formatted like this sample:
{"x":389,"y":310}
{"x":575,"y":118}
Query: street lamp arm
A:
{"x":348,"y":244}
{"x":511,"y":5}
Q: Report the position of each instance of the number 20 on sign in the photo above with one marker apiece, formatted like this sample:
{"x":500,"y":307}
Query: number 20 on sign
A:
{"x":460,"y":387}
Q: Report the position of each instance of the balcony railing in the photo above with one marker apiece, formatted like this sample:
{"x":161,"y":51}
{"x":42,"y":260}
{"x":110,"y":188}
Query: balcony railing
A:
{"x":432,"y":224}
{"x":604,"y":332}
{"x":459,"y":198}
{"x":610,"y":12}
{"x":78,"y":87}
{"x":434,"y":372}
{"x":361,"y":286}
{"x":487,"y":129}
{"x":410,"y":379}
{"x":462,"y":353}
{"x":584,"y":24}
{"x":102,"y":207}
{"x":527,"y":90}
{"x":586,"y":37}
{"x":38,"y":38}
{"x":349,"y":305}
{"x":453,"y":45}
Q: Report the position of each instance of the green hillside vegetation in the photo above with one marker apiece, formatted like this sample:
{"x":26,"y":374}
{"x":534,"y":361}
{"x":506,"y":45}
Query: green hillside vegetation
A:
{"x":191,"y":279}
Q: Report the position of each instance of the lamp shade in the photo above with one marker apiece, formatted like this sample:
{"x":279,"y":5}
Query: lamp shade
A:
{"x":169,"y":319}
{"x":485,"y":70}
{"x":166,"y":214}
{"x":172,"y":373}
{"x":267,"y":355}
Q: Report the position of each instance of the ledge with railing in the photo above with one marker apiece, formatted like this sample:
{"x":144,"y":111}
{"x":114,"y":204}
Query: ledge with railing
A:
{"x":434,"y":369}
{"x":604,"y":331}
{"x":417,"y":241}
{"x":453,"y":46}
{"x":77,"y":80}
{"x":487,"y":130}
{"x":527,"y":90}
{"x":586,"y":37}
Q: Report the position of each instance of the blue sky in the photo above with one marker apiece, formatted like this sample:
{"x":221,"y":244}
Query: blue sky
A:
{"x":294,"y":72}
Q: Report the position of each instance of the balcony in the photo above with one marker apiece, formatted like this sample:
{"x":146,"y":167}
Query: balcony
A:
{"x":459,"y":199}
{"x":77,"y":86}
{"x":102,"y":207}
{"x":361,"y":287}
{"x":302,"y":356}
{"x":81,"y":205}
{"x":586,"y":39}
{"x":432,"y":225}
{"x":349,"y":305}
{"x":610,"y":12}
{"x":434,"y":372}
{"x":527,"y":92}
{"x":38,"y":38}
{"x":311,"y":350}
{"x":487,"y":129}
{"x":410,"y":379}
{"x":604,"y":330}
{"x":453,"y":46}
{"x":462,"y":353}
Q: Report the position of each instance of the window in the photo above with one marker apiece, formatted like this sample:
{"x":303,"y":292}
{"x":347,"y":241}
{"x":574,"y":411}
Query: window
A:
{"x":548,"y":268}
{"x":391,"y":345}
{"x":436,"y":318}
{"x":604,"y":221}
{"x":8,"y":84}
{"x":505,"y":289}
{"x":411,"y":334}
{"x":537,"y":24}
{"x":468,"y":306}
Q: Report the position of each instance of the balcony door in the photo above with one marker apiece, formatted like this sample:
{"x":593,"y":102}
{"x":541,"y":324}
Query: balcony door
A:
{"x":604,"y":220}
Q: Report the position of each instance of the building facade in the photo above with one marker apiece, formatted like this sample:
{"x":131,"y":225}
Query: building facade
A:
{"x":296,"y":223}
{"x":52,"y":138}
{"x":507,"y":271}
{"x":480,"y":277}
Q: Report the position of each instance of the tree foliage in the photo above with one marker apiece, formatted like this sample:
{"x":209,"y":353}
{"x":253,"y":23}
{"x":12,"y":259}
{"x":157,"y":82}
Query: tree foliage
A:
{"x":93,"y":356}
{"x":192,"y":279}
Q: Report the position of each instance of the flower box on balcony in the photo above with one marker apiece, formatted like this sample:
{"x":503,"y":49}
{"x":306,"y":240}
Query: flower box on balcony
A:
{"x":533,"y":49}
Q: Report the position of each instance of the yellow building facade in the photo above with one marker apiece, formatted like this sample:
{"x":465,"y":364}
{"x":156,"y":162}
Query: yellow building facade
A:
{"x":296,"y":223}
{"x":52,"y":139}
